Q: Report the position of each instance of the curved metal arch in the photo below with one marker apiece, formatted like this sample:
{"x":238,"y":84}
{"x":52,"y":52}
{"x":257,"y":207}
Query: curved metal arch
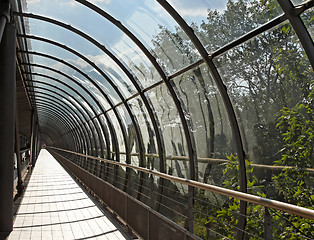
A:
{"x":111,"y":128}
{"x":74,"y":128}
{"x":46,"y":105}
{"x":59,"y":104}
{"x":79,"y":94}
{"x":106,"y":51}
{"x":84,"y":144}
{"x":43,"y":134}
{"x":58,"y":130}
{"x":83,"y":107}
{"x":128,"y":159}
{"x":44,"y":111}
{"x":227,"y":102}
{"x":160,"y":142}
{"x":94,"y":42}
{"x":48,"y":132}
{"x":130,"y":112}
{"x":45,"y":120}
{"x":151,"y":58}
{"x":42,"y":106}
{"x":70,"y":123}
{"x":189,"y":138}
{"x":84,"y":132}
{"x":54,"y":79}
{"x":86,"y":90}
{"x":58,"y":141}
{"x":86,"y":119}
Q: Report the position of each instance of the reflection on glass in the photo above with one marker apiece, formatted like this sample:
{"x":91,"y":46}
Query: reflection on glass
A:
{"x":147,"y":132}
{"x":120,"y":138}
{"x":172,"y":130}
{"x":209,"y":123}
{"x":132,"y":138}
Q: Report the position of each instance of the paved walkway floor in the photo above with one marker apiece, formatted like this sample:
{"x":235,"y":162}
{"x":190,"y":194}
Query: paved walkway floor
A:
{"x":55,"y":207}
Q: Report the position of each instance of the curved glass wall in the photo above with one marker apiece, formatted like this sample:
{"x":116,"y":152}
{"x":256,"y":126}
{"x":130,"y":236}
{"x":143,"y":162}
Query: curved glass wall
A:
{"x":220,"y":92}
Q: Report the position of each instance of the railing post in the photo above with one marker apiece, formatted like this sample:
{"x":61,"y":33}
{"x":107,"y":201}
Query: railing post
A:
{"x":190,"y":213}
{"x":151,"y":192}
{"x":7,"y":100}
{"x":267,"y":225}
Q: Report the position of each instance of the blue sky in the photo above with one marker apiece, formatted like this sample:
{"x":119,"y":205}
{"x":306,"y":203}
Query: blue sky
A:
{"x":142,"y":17}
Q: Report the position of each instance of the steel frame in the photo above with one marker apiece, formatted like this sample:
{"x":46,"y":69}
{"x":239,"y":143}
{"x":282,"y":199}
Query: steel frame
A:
{"x":74,"y":117}
{"x":292,"y":13}
{"x":79,"y":110}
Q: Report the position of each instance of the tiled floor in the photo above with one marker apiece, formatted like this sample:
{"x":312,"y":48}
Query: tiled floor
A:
{"x":55,"y":207}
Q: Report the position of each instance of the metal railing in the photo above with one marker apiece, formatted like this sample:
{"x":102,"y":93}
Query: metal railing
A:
{"x":269,"y":203}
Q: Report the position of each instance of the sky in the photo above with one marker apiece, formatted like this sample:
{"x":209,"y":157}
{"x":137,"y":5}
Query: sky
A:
{"x":141,"y":17}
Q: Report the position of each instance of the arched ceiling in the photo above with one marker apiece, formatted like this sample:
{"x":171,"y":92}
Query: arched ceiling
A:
{"x":119,"y":79}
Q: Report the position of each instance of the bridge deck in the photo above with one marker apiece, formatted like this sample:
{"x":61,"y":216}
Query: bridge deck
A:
{"x":55,"y":207}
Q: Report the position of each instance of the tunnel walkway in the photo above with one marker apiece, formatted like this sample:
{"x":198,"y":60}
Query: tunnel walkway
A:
{"x":55,"y":207}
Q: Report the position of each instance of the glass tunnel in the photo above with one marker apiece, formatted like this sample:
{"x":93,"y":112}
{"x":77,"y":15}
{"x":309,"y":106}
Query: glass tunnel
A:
{"x":187,"y":119}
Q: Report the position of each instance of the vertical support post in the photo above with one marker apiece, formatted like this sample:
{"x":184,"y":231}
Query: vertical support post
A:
{"x":37,"y":141}
{"x":268,"y":235}
{"x":32,"y":155}
{"x":19,"y":186}
{"x":190,"y":223}
{"x":151,"y":192}
{"x":4,"y":16}
{"x":7,"y":100}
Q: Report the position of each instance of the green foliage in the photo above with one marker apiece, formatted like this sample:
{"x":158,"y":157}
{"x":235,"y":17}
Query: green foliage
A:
{"x":269,"y":81}
{"x":295,"y":184}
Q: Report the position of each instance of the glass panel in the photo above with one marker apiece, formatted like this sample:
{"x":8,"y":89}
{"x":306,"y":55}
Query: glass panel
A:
{"x":91,"y":136}
{"x":217,"y":23}
{"x":77,"y":62}
{"x":146,"y":19}
{"x":119,"y":134}
{"x":90,"y":51}
{"x":308,"y":21}
{"x":105,"y":125}
{"x":43,"y":95}
{"x":150,"y":147}
{"x":131,"y":134}
{"x":77,"y":100}
{"x":73,"y":74}
{"x":297,"y":2}
{"x":172,"y":130}
{"x":67,"y":81}
{"x":270,"y":80}
{"x":97,"y":140}
{"x":132,"y":141}
{"x":147,"y":132}
{"x":209,"y":122}
{"x":102,"y":136}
